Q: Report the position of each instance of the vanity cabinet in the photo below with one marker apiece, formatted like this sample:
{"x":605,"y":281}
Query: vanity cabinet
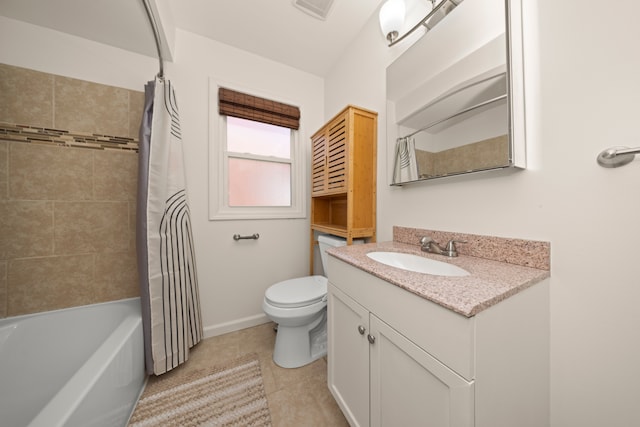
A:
{"x":348,"y":376}
{"x":343,"y":176}
{"x":395,"y":358}
{"x":380,"y":378}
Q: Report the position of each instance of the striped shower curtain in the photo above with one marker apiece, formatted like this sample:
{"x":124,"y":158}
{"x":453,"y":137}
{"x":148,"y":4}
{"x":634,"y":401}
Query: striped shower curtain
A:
{"x":166,"y":261}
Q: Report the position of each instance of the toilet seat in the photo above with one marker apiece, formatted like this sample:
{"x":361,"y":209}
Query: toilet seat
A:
{"x":299,"y":292}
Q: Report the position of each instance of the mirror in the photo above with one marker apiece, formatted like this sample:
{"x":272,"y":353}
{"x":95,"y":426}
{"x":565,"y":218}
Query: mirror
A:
{"x":454,"y":98}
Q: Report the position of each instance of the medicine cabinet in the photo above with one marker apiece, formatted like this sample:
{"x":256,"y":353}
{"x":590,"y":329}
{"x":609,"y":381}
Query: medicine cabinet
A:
{"x":455,"y":99}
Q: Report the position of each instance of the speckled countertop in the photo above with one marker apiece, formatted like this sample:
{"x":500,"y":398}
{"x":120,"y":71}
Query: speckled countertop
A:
{"x":489,"y":281}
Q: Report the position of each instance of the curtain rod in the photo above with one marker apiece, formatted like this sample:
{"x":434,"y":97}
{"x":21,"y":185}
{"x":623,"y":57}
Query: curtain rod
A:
{"x":156,"y":36}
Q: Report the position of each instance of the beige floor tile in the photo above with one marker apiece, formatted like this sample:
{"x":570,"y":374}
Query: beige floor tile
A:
{"x":297,"y":397}
{"x":331,"y":412}
{"x":286,"y":378}
{"x":295,"y":406}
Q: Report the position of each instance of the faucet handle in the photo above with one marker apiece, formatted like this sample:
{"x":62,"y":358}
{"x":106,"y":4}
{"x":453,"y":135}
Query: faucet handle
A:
{"x":451,"y":247}
{"x":425,"y":239}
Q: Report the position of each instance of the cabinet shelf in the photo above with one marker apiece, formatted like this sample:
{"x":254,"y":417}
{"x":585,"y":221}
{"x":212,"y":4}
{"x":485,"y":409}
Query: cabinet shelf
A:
{"x":342,"y":231}
{"x":335,"y":229}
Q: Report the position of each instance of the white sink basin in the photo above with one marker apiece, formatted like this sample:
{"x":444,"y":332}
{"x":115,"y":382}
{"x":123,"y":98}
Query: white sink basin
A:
{"x":418,"y":264}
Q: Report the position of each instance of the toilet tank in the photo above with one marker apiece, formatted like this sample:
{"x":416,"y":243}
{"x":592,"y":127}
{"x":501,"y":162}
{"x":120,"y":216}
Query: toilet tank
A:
{"x":326,"y":241}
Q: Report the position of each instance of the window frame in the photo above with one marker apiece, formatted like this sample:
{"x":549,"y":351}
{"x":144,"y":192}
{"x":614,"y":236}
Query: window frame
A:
{"x":219,"y":208}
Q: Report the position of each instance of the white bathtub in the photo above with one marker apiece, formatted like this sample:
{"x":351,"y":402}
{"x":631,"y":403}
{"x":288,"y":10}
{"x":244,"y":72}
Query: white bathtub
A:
{"x":81,"y":366}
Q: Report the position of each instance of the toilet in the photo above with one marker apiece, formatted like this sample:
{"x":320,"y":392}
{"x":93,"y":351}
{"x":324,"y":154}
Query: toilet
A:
{"x":299,"y":307}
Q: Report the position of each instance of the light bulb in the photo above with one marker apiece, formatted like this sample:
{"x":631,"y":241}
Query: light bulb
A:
{"x":392,"y":18}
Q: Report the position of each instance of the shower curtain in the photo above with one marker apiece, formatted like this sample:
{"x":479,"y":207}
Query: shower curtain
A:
{"x":169,"y":294}
{"x":406,"y":166}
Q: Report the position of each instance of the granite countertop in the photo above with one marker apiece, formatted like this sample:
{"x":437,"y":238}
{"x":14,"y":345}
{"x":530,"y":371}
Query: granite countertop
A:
{"x":489,"y":281}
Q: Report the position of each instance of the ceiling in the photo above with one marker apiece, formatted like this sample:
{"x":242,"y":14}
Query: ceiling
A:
{"x":274,"y":29}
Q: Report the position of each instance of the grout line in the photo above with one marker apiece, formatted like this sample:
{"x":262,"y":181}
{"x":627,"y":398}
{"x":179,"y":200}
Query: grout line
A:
{"x":7,"y":165}
{"x":53,"y":101}
{"x":93,"y":176}
{"x":53,"y":227}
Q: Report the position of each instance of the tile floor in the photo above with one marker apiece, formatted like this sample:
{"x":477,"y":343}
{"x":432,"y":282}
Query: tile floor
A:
{"x":297,"y":397}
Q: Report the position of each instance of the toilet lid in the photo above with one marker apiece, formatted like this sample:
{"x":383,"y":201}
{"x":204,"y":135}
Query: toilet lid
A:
{"x":298,"y":292}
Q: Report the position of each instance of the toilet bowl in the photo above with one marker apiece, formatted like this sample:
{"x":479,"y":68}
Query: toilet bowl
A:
{"x":299,"y":307}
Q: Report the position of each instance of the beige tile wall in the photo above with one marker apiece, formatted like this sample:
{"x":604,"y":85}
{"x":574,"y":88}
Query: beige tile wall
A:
{"x":67,"y":214}
{"x":488,"y":153}
{"x":27,"y":96}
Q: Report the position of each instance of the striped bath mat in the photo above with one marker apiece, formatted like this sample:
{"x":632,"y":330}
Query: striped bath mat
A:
{"x":230,"y":395}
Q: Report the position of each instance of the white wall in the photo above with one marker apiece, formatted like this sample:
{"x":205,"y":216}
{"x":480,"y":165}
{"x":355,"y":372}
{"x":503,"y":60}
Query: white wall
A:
{"x":38,"y":48}
{"x":234,"y":275}
{"x":582,"y":97}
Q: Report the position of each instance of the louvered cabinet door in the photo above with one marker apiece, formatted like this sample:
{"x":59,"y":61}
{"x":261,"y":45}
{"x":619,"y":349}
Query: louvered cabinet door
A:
{"x":318,"y":164}
{"x":337,"y":156}
{"x":329,"y":159}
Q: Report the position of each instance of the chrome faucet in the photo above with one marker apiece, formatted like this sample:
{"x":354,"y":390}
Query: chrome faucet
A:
{"x":431,"y":246}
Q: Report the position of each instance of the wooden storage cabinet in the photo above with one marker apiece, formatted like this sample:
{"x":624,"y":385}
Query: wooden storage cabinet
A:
{"x":343,"y":176}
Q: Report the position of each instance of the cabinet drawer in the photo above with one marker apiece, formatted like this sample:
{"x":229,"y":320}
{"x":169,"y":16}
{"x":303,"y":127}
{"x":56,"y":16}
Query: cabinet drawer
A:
{"x":445,"y":335}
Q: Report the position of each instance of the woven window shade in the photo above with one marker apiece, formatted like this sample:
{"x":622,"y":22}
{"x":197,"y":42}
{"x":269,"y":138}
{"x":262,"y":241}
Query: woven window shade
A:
{"x":241,"y":105}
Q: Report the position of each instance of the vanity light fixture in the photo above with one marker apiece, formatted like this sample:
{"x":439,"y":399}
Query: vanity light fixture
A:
{"x":392,"y":18}
{"x":436,"y":11}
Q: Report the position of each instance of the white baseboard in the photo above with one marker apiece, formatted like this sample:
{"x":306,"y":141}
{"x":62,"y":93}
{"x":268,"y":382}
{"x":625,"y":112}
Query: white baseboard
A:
{"x":235,"y":325}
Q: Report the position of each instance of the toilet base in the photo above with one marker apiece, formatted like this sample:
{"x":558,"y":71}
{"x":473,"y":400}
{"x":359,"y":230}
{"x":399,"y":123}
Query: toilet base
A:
{"x":299,"y":346}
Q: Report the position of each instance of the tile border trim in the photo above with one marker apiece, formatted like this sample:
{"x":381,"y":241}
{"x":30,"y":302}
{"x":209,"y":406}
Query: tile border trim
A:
{"x":65,"y":138}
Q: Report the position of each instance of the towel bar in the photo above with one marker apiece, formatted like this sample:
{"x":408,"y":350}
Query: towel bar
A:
{"x":254,"y":236}
{"x":617,"y":156}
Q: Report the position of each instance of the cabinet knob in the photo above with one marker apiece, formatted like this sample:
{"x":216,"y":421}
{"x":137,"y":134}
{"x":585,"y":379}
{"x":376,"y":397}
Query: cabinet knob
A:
{"x":361,"y":329}
{"x":371,"y":338}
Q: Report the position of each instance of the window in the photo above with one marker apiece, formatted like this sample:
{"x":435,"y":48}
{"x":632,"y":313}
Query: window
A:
{"x":258,"y":168}
{"x":258,"y":159}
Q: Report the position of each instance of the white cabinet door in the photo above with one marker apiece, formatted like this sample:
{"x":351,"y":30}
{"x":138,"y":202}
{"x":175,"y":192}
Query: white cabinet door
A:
{"x":411,"y":388}
{"x":348,"y":356}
